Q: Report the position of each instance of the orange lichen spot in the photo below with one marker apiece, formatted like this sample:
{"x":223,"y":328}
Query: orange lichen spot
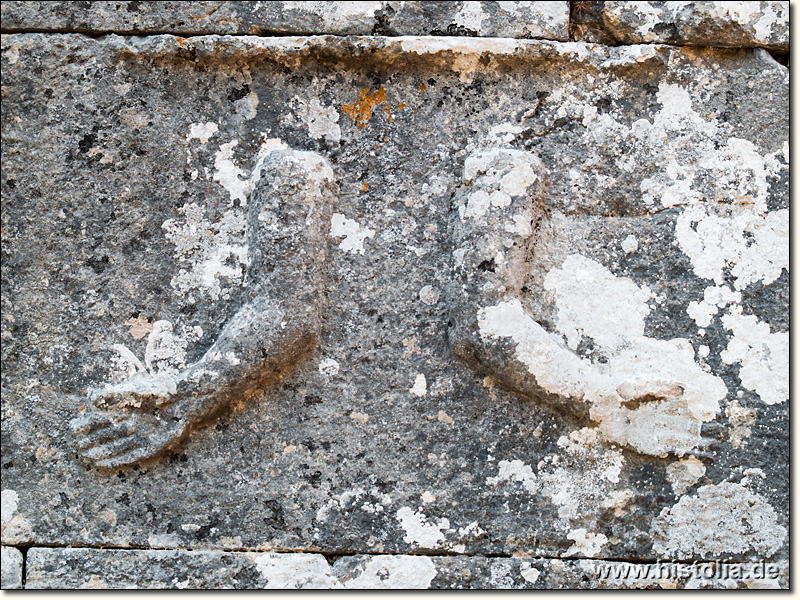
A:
{"x":366,"y":186}
{"x":361,"y":110}
{"x":181,"y":41}
{"x":401,"y":106}
{"x":423,"y":87}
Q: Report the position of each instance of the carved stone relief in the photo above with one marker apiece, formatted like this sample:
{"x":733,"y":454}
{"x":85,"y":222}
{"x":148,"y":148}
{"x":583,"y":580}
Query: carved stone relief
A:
{"x":516,"y":307}
{"x":288,"y":214}
{"x":644,"y":393}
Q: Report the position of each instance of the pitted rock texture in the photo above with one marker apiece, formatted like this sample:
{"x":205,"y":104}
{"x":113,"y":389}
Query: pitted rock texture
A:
{"x":658,"y":242}
{"x":547,"y":20}
{"x":11,"y":562}
{"x":87,"y":568}
{"x":717,"y":24}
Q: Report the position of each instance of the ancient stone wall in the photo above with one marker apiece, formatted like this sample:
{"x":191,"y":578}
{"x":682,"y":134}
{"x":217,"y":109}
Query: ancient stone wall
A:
{"x":395,"y":294}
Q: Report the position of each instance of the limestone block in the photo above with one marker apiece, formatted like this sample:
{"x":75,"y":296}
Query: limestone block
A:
{"x":86,"y":568}
{"x":719,"y":24}
{"x":548,"y":20}
{"x":547,"y":286}
{"x":11,"y":561}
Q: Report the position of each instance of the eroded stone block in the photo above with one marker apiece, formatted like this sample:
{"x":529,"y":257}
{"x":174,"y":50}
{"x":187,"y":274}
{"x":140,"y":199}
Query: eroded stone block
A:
{"x":548,"y":20}
{"x":720,"y":24}
{"x":86,"y":568}
{"x":11,"y":560}
{"x":651,"y":241}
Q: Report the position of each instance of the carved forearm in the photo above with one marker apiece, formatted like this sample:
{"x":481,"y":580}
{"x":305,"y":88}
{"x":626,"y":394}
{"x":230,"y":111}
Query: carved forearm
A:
{"x":288,"y":219}
{"x":260,"y":343}
{"x":494,"y":220}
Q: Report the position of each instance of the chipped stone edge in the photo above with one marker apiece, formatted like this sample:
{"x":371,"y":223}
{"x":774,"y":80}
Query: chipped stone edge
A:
{"x":458,"y":53}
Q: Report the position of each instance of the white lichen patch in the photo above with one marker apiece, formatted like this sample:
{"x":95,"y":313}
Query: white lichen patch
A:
{"x":715,"y":297}
{"x":293,"y":571}
{"x":328,"y":366}
{"x":719,"y":519}
{"x":164,"y":357}
{"x":342,"y":17}
{"x":229,"y":175}
{"x":355,"y":498}
{"x":685,"y":144}
{"x":353,"y":234}
{"x":14,"y":527}
{"x":763,"y":355}
{"x":419,"y":530}
{"x":215,"y":254}
{"x":630,"y":244}
{"x":515,"y":471}
{"x":726,"y":231}
{"x":496,"y":175}
{"x":540,"y":18}
{"x":576,"y":491}
{"x":754,"y":248}
{"x":755,"y":23}
{"x":573,"y":491}
{"x":696,"y":162}
{"x":321,"y":121}
{"x":470,"y":16}
{"x":202,"y":131}
{"x":9,"y":501}
{"x":391,"y":573}
{"x":593,"y":303}
{"x":420,"y":387}
{"x":166,"y":351}
{"x":684,"y":473}
{"x":586,"y":543}
{"x":503,"y":134}
{"x":528,"y":572}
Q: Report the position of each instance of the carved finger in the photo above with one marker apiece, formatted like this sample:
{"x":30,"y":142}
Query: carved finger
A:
{"x":122,"y":460}
{"x":114,"y":431}
{"x":112,"y":448}
{"x":90,"y":421}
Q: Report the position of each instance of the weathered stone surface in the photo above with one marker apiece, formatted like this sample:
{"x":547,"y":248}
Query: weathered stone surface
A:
{"x":548,"y":20}
{"x":651,"y":261}
{"x":88,"y":568}
{"x":718,"y":24}
{"x":11,"y":567}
